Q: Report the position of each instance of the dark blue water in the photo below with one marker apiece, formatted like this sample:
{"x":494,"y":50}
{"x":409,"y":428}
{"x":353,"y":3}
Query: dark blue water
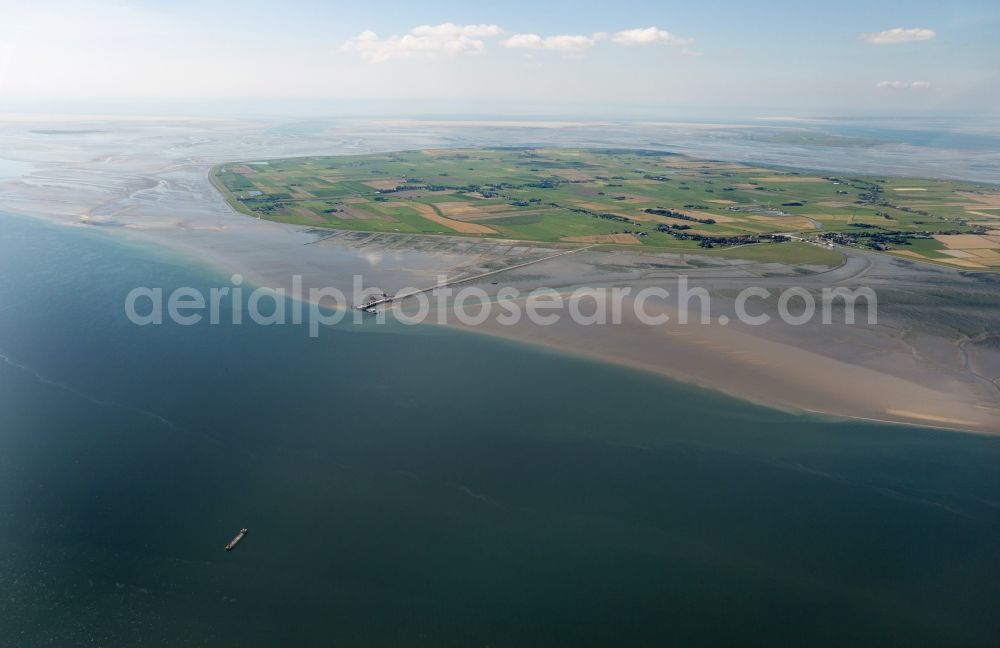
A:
{"x":422,"y":487}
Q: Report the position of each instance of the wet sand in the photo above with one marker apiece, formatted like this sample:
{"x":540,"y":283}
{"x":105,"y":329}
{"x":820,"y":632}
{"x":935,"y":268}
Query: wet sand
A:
{"x":914,"y":366}
{"x":930,"y":361}
{"x":778,"y":374}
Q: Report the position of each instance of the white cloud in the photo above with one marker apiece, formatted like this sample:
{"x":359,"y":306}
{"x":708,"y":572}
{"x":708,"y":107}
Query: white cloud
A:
{"x":899,"y":35}
{"x":561,"y":43}
{"x":451,"y":39}
{"x":649,"y":35}
{"x":904,"y":85}
{"x":426,"y":40}
{"x":524,"y":41}
{"x":451,"y":29}
{"x":569,"y":43}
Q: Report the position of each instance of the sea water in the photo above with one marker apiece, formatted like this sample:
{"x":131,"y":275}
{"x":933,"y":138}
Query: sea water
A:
{"x":419,"y":486}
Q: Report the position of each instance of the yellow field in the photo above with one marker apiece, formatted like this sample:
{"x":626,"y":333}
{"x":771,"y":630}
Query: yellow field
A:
{"x":431,"y":214}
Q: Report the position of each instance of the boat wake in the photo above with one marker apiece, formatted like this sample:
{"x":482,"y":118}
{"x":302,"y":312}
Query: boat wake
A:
{"x":40,"y":378}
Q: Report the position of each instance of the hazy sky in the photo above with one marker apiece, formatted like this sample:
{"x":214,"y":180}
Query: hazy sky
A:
{"x":571,"y":58}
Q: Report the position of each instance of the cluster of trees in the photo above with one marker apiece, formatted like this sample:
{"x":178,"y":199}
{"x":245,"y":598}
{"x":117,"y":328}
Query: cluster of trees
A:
{"x":871,"y":195}
{"x":604,"y":215}
{"x":543,"y":184}
{"x":729,"y":241}
{"x":706,"y":241}
{"x":876,"y":238}
{"x":403,"y":187}
{"x":266,"y":203}
{"x":659,"y":211}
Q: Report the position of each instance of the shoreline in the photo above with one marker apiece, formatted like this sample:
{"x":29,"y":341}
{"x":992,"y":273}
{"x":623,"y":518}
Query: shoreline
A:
{"x":628,"y":347}
{"x":168,"y":198}
{"x":737,"y":391}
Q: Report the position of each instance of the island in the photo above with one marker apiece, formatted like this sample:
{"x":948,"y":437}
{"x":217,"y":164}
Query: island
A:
{"x":614,"y":198}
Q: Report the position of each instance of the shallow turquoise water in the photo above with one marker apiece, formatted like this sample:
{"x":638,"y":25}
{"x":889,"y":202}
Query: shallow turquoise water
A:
{"x":412,"y":486}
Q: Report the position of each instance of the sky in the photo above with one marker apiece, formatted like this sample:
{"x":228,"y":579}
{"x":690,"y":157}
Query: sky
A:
{"x":554,"y":58}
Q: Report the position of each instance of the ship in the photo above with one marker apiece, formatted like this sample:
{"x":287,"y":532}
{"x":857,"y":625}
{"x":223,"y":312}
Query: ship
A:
{"x":235,"y":541}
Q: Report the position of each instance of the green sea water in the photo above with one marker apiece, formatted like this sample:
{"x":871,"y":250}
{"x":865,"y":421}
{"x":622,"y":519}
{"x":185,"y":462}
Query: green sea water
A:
{"x":409,"y":486}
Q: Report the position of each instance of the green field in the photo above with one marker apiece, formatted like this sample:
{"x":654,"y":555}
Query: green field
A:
{"x":608,"y":197}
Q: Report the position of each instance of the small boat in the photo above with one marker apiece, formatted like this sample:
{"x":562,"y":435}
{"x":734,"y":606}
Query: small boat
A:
{"x":235,"y":541}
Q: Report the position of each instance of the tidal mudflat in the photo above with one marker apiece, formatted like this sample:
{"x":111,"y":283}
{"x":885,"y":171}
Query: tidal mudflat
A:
{"x":414,"y":485}
{"x":931,"y":360}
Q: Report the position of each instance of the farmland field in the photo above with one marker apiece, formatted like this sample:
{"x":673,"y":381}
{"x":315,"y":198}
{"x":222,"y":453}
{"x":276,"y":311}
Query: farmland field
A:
{"x":619,"y":198}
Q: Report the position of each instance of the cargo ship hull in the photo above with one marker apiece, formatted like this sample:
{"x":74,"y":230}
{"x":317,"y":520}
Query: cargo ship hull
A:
{"x":235,"y":541}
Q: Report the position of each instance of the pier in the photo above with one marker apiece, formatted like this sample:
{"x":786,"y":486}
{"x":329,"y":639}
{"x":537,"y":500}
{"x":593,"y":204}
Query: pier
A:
{"x":373,"y":302}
